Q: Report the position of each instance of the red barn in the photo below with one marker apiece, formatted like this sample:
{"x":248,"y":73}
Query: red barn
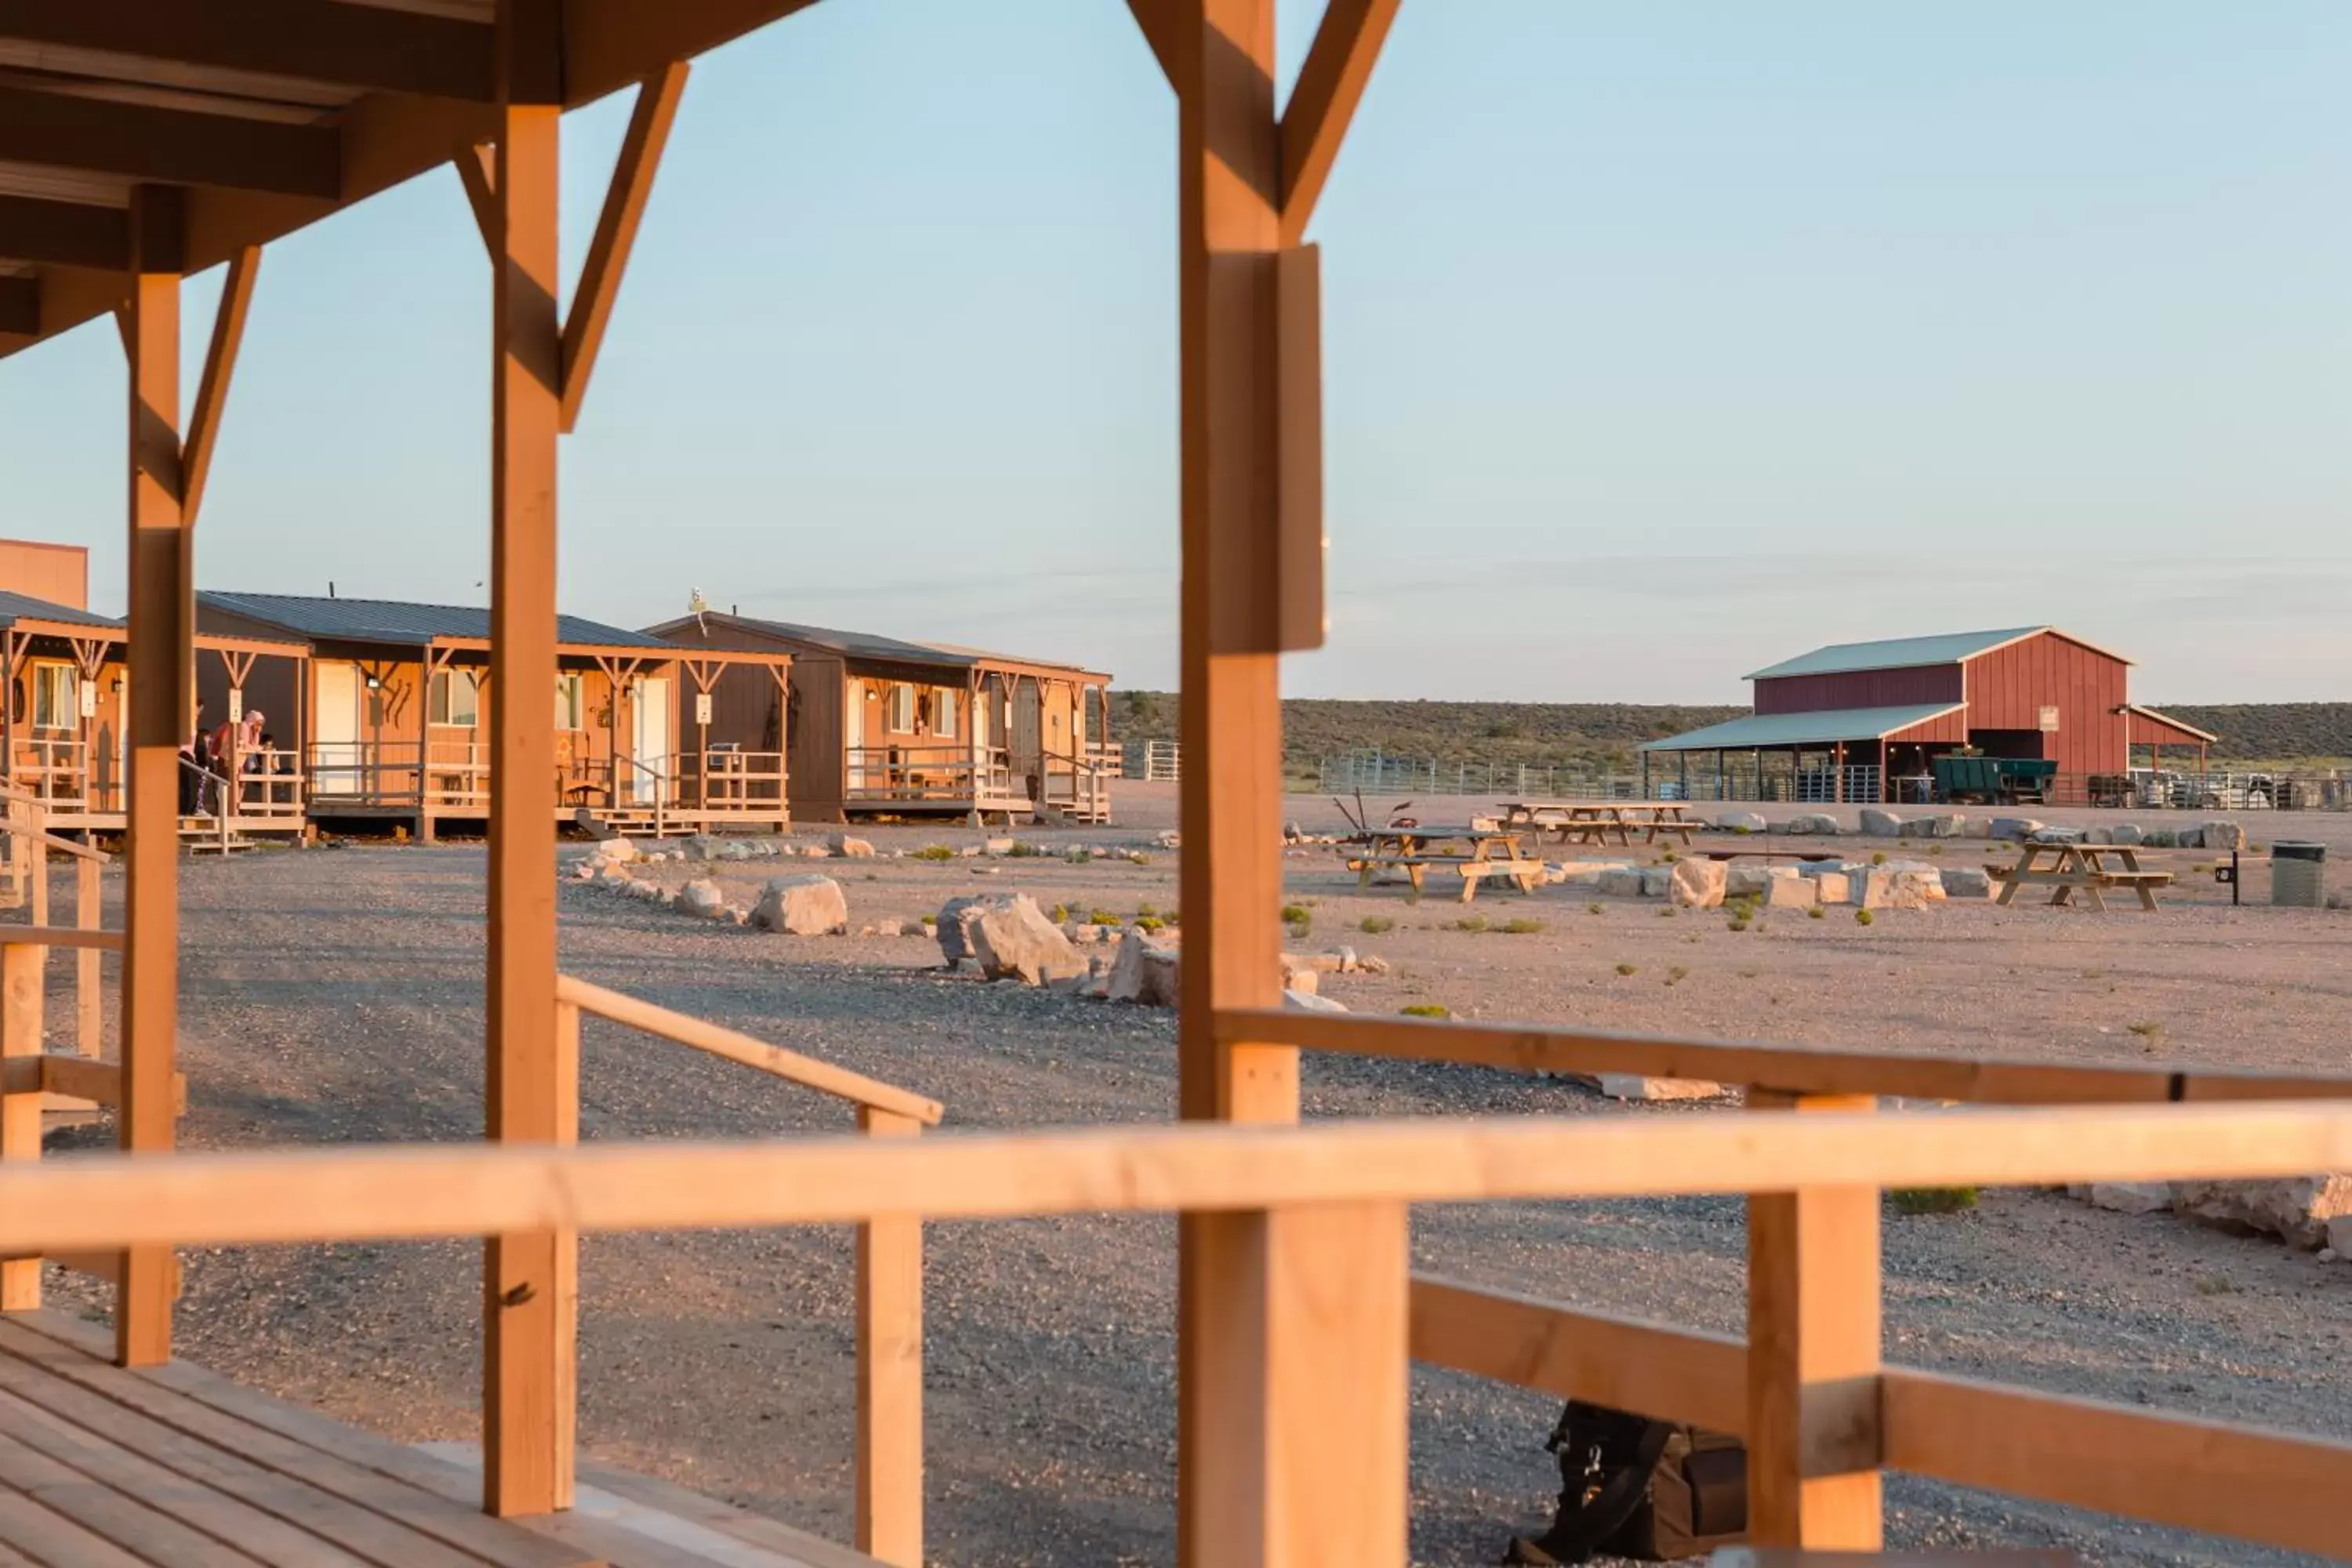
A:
{"x":1863,"y":720}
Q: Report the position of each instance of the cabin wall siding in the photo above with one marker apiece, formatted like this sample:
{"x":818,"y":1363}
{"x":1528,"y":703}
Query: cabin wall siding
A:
{"x":58,"y":573}
{"x":817,"y":738}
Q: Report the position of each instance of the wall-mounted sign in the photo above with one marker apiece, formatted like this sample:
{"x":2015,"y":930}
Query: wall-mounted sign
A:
{"x":236,"y":704}
{"x":702,"y":708}
{"x":2049,"y":721}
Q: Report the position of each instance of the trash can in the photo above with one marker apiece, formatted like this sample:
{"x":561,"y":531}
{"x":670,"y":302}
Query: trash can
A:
{"x":2299,"y":876}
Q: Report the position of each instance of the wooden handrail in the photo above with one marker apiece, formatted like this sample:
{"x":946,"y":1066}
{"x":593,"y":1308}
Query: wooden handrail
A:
{"x":686,"y":1030}
{"x":73,"y":846}
{"x":438,"y":1190}
{"x":60,"y":936}
{"x":1806,"y":1069}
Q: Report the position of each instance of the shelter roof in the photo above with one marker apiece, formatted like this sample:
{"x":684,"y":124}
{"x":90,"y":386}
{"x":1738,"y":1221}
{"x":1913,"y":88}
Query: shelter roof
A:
{"x":1908,"y":653}
{"x":1806,"y":729}
{"x":2169,"y":723}
{"x":871,"y":647}
{"x":397,"y":621}
{"x":15,"y":607}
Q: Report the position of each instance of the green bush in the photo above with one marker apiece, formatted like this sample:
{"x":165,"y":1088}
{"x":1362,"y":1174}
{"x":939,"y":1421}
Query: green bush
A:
{"x":1879,"y":859}
{"x":1426,"y":1010}
{"x":1376,"y":925}
{"x":1862,"y":917}
{"x":1595,"y":910}
{"x":1815,"y":912}
{"x":935,"y":852}
{"x":1150,"y":922}
{"x":1471,"y":923}
{"x":1626,"y":968}
{"x":1103,"y":918}
{"x":1521,"y":927}
{"x":1023,"y":850}
{"x":1933,"y":1200}
{"x":1736,"y":922}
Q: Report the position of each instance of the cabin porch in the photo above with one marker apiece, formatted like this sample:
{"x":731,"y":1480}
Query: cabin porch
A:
{"x":101,"y":1464}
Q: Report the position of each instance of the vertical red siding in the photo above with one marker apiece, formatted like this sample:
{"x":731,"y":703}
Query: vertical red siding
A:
{"x":2008,"y":688}
{"x":1859,"y":688}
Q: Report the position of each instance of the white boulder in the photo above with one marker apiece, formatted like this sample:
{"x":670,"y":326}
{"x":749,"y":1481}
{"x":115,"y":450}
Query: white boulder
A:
{"x":2299,"y":1209}
{"x":1788,"y":890}
{"x":1013,"y":940}
{"x":1813,"y":822}
{"x":701,"y":896}
{"x":1696,"y":884}
{"x":1620,"y":882}
{"x":802,"y":906}
{"x":2130,"y":1197}
{"x":1877,"y":824}
{"x":1308,"y":1001}
{"x":843,"y":846}
{"x":1634,"y":1086}
{"x":2222,"y":836}
{"x":1741,"y":822}
{"x":1967,"y":882}
{"x":1145,"y":970}
{"x":2019,"y":829}
{"x":2124,"y":833}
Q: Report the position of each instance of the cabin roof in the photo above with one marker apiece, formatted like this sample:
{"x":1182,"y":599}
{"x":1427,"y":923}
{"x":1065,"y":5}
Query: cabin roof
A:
{"x":14,"y":607}
{"x":398,"y":621}
{"x":870,"y":646}
{"x":1805,"y":729}
{"x":1908,"y":653}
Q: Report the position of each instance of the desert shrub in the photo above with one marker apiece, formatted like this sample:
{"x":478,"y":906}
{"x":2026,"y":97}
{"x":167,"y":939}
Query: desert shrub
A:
{"x":1879,"y":859}
{"x":1595,"y":910}
{"x":1864,"y":917}
{"x":1103,"y":918}
{"x":1299,"y":918}
{"x":1150,"y":922}
{"x":1626,"y":968}
{"x":1736,"y":922}
{"x":1816,"y":912}
{"x":1471,"y":923}
{"x":1426,"y":1010}
{"x":1376,"y":925}
{"x":935,"y":852}
{"x":1521,"y":927}
{"x":2146,"y":1029}
{"x":1676,"y":975}
{"x":1932,"y":1200}
{"x":1023,"y":850}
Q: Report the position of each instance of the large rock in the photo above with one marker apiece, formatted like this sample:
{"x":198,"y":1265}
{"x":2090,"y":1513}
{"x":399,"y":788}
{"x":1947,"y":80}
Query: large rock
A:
{"x":1308,"y":1001}
{"x":1144,"y":971}
{"x":1696,"y":884}
{"x":1634,"y":1086}
{"x":1946,"y":825}
{"x":2124,"y":833}
{"x":2127,"y":1197}
{"x":2224,"y":835}
{"x":1788,"y":890}
{"x":2161,"y":838}
{"x":1620,"y":882}
{"x":1831,"y":887}
{"x":1013,"y":940}
{"x":1585,"y":873}
{"x":2019,"y":829}
{"x":1813,"y":822}
{"x":1877,"y":824}
{"x":802,"y":906}
{"x":847,"y":848}
{"x":1741,"y":822}
{"x":701,"y":896}
{"x":2058,"y":836}
{"x":1655,"y":880}
{"x":1967,"y":882}
{"x":1746,"y":879}
{"x":955,"y":944}
{"x":2297,"y":1208}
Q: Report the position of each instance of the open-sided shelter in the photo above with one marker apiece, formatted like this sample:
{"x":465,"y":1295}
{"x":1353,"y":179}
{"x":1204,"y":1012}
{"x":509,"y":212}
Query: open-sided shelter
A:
{"x":879,"y":724}
{"x":1865,"y":721}
{"x":395,"y":700}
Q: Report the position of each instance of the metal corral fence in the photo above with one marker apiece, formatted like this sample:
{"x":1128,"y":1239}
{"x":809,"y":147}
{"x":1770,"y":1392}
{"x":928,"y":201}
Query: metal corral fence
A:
{"x":1154,"y":762}
{"x":2142,"y":789}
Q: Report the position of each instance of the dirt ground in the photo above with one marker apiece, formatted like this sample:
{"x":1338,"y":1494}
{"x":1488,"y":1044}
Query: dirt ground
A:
{"x":335,"y":995}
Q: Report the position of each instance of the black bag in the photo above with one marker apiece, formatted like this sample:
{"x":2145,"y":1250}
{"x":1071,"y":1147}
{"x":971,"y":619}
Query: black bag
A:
{"x":1633,"y":1487}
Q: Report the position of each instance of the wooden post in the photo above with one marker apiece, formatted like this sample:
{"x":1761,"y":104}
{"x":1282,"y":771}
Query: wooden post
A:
{"x":528,"y":1365}
{"x":20,"y":1113}
{"x":162,"y":672}
{"x":1813,"y":1301}
{"x":890,"y":1373}
{"x":89,"y":1013}
{"x":1304,"y":1447}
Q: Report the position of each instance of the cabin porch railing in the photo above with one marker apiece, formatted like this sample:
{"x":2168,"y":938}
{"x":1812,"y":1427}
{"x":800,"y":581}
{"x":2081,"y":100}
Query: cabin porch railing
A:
{"x":943,"y":775}
{"x":1310,"y":1314}
{"x":1077,"y":784}
{"x":723,"y":781}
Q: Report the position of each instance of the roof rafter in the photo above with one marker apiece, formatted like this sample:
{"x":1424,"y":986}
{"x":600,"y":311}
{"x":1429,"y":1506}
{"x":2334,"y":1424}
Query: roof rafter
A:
{"x":174,"y":146}
{"x":353,"y":46}
{"x":69,"y":233}
{"x":1331,"y":84}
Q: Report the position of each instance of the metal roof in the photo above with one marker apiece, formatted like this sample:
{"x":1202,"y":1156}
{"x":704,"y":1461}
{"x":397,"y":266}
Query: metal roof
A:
{"x":14,"y":607}
{"x":2169,"y":722}
{"x":869,"y":646}
{"x":1805,"y":729}
{"x":395,"y":621}
{"x":1900,"y":653}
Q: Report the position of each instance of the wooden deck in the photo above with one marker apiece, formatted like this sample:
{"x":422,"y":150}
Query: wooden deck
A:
{"x":176,"y":1466}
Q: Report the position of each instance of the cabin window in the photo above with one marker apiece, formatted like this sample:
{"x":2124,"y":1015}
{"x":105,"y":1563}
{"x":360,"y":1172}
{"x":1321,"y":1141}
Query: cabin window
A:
{"x":57,"y":697}
{"x":901,"y":719}
{"x":943,"y":715}
{"x":568,"y":701}
{"x":456,"y":701}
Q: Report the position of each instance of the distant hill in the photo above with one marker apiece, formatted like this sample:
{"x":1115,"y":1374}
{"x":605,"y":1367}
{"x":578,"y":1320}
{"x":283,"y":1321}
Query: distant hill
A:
{"x":1603,"y":734}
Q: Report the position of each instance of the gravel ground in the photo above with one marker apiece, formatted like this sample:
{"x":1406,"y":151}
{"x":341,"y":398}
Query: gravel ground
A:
{"x":334,"y":995}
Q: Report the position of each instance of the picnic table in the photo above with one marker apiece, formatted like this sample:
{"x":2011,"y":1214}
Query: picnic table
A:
{"x":1413,"y":850}
{"x":1594,"y":821}
{"x":2083,"y":865}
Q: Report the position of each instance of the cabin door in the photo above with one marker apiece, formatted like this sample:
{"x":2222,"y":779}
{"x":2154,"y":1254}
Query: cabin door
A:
{"x":852,"y":731}
{"x":651,"y":739}
{"x":336,"y":740}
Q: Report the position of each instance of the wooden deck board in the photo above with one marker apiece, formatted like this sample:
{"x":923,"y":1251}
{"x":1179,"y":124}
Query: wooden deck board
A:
{"x":174,"y":1466}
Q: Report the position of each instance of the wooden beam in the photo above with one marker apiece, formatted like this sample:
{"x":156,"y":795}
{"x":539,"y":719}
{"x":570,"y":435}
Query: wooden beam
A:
{"x":2213,"y":1477}
{"x":72,"y":234}
{"x":1671,"y":1375}
{"x":1221,"y":52}
{"x":1807,"y":1069}
{"x":212,"y":391}
{"x":20,"y":306}
{"x":1307,"y":1451}
{"x":1331,"y":84}
{"x":1814,"y":1337}
{"x":180,"y":146}
{"x":1158,"y":21}
{"x":350,"y":46}
{"x":526,"y":1445}
{"x":474,"y":172}
{"x":609,"y":45}
{"x":20,"y":1108}
{"x":106,"y":1200}
{"x":889,"y":1490}
{"x":617,"y":231}
{"x":161,"y":665}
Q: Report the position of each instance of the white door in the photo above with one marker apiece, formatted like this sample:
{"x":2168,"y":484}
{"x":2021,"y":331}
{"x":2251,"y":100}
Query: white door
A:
{"x":652,"y":740}
{"x":337,"y":743}
{"x":852,"y":731}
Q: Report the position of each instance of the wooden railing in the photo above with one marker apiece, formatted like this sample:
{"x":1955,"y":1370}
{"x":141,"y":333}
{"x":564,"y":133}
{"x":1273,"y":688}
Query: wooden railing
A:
{"x":729,"y":781}
{"x":55,"y":769}
{"x":889,"y":1443}
{"x":1310,"y":1312}
{"x":24,"y":818}
{"x":1077,"y":785}
{"x":919,"y":775}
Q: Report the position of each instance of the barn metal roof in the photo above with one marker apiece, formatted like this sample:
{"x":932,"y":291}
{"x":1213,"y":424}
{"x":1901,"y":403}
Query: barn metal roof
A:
{"x":14,"y":607}
{"x":396,"y":621}
{"x":1805,"y":729}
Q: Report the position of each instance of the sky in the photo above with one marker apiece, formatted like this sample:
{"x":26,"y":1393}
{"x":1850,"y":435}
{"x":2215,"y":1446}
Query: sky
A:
{"x":1663,"y":338}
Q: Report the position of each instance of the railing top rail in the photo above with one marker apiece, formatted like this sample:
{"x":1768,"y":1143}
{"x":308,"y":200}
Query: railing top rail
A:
{"x":416,"y":1190}
{"x":1799,"y":1069}
{"x":73,"y":846}
{"x":59,"y":936}
{"x":806,"y":1071}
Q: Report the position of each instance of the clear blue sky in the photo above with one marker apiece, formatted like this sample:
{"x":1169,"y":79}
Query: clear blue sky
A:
{"x":1663,"y":338}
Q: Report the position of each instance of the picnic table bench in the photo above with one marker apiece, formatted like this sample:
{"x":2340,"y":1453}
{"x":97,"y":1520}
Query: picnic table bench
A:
{"x":1594,"y":821}
{"x":1493,"y":852}
{"x":2083,"y":865}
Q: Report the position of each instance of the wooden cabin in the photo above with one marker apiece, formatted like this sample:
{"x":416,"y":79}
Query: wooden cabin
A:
{"x":394,"y":697}
{"x":878,"y":726}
